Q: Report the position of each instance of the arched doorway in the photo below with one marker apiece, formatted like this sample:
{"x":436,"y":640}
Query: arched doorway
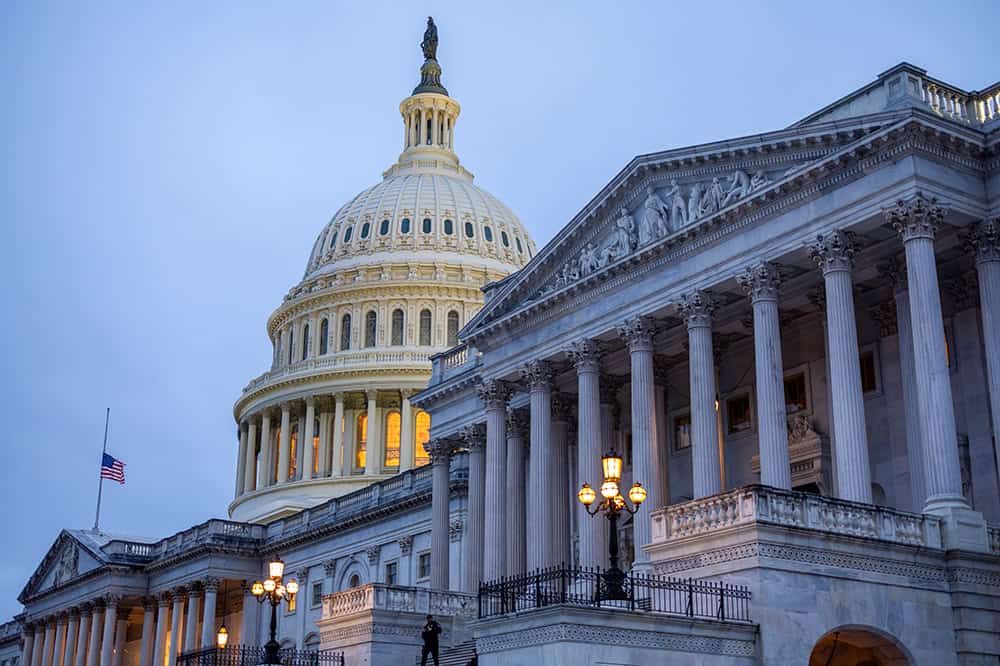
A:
{"x":858,"y":646}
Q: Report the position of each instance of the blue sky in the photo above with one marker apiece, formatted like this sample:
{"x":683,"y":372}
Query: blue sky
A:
{"x":166,"y":168}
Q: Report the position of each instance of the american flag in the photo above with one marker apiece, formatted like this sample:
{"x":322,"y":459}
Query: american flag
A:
{"x":112,"y":468}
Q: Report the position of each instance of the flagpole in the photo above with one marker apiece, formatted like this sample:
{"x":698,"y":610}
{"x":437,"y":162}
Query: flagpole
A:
{"x":100,"y":477}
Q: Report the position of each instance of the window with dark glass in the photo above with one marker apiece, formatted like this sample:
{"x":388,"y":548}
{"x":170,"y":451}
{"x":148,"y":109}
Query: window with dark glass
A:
{"x":488,"y":234}
{"x":291,"y":346}
{"x":404,"y":226}
{"x":305,"y":341}
{"x":738,"y":413}
{"x":470,"y":231}
{"x":869,"y":377}
{"x":347,"y":234}
{"x":424,"y":565}
{"x":371,"y":323}
{"x":504,"y":239}
{"x":333,"y":240}
{"x":449,"y":227}
{"x":517,"y":241}
{"x":425,"y":327}
{"x":366,"y":229}
{"x":391,"y":573}
{"x":324,"y":334}
{"x":317,"y":594}
{"x":345,"y":332}
{"x":384,"y":227}
{"x":397,"y":327}
{"x":452,"y":328}
{"x":427,"y":225}
{"x":796,"y":399}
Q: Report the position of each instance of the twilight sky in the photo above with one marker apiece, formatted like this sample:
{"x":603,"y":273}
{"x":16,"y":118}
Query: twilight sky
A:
{"x":165,"y":170}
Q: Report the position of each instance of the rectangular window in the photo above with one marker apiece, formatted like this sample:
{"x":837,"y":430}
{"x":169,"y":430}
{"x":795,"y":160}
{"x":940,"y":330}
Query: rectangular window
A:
{"x":869,"y":376}
{"x":682,"y":431}
{"x":796,"y":398}
{"x":292,"y":603}
{"x":738,"y":414}
{"x":317,"y":594}
{"x":424,"y":566}
{"x":391,"y":573}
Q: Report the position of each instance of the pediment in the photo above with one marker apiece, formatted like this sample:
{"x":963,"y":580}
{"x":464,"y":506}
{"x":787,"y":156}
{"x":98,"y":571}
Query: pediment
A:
{"x":67,"y":559}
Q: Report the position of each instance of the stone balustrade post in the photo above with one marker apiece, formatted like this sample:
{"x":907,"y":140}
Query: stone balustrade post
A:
{"x":538,"y":375}
{"x":698,"y":309}
{"x":440,"y":451}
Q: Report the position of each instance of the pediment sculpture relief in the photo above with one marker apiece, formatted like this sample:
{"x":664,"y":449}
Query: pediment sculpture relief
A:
{"x":68,"y":566}
{"x":659,"y":216}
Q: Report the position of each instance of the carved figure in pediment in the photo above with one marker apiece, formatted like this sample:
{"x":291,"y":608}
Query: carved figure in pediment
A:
{"x":678,"y":207}
{"x":625,"y":236}
{"x":657,"y":214}
{"x":739,"y":187}
{"x":759,"y":181}
{"x":694,"y":203}
{"x":713,"y":198}
{"x":68,"y":566}
{"x":588,"y":260}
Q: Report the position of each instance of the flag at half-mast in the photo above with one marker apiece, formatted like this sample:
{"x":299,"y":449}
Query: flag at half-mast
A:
{"x":112,"y":468}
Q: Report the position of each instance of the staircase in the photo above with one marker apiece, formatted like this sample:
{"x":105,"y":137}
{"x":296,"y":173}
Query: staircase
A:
{"x":458,"y":655}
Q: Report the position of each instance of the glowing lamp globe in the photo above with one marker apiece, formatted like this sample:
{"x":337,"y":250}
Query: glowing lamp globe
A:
{"x":276,"y":568}
{"x":612,"y":464}
{"x":586,"y":495}
{"x":292,"y":586}
{"x":222,"y":637}
{"x":637,"y":493}
{"x":609,"y":489}
{"x":269,"y":585}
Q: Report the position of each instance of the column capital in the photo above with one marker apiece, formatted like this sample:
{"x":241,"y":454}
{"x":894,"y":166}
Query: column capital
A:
{"x":211,"y":584}
{"x":835,"y":251}
{"x":817,"y":296}
{"x":149,"y":604}
{"x":74,"y":612}
{"x":455,"y":528}
{"x":164,"y":598}
{"x":517,"y":424}
{"x":311,"y":401}
{"x":697,"y":309}
{"x":111,"y":600}
{"x":893,"y":270}
{"x":562,"y":407}
{"x":917,"y":217}
{"x":405,"y":545}
{"x":494,"y":393}
{"x":86,"y":608}
{"x":638,"y":333}
{"x":984,"y":241}
{"x":373,"y":553}
{"x":538,"y":374}
{"x":585,"y":355}
{"x":474,"y":436}
{"x":62,"y":618}
{"x":760,"y":282}
{"x":439,"y":450}
{"x":194,"y":591}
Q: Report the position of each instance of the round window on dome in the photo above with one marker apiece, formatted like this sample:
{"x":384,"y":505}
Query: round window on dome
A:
{"x":427,"y":225}
{"x":404,"y":226}
{"x":517,"y":241}
{"x":347,"y":234}
{"x":470,"y":231}
{"x":366,"y":230}
{"x":384,"y":227}
{"x":504,"y":239}
{"x":449,"y":227}
{"x":488,"y":234}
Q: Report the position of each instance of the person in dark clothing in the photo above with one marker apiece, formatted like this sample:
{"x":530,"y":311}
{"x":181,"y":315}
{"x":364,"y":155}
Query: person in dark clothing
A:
{"x":430,"y":635}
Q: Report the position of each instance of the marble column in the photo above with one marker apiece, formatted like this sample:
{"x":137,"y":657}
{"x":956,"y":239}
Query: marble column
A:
{"x":337,"y":439}
{"x":516,"y":494}
{"x":108,"y":635}
{"x":72,"y":631}
{"x":265,"y":473}
{"x":307,"y":439}
{"x":121,"y":633}
{"x":48,"y":641}
{"x":208,"y":613}
{"x":475,"y":441}
{"x":191,"y":629}
{"x":834,"y":254}
{"x":407,"y":445}
{"x":538,"y":375}
{"x":27,"y":646}
{"x":697,"y":309}
{"x":81,"y":636}
{"x":60,"y":644}
{"x":558,"y":483}
{"x":162,"y":621}
{"x":148,"y":628}
{"x":593,"y":537}
{"x":248,"y":616}
{"x":985,"y":241}
{"x":285,"y":443}
{"x":250,"y":463}
{"x":761,"y":283}
{"x":660,"y":374}
{"x":94,"y":644}
{"x":638,"y":333}
{"x":373,"y":462}
{"x":494,"y":395}
{"x":241,"y":461}
{"x":917,"y":221}
{"x":440,"y":451}
{"x":176,"y":624}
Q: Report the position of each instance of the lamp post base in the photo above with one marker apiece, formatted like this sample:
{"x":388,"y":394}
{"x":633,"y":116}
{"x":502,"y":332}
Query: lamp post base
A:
{"x":614,"y":585}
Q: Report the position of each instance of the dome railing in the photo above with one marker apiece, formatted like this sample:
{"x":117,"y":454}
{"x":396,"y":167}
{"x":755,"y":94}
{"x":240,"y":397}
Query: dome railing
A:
{"x":344,"y":360}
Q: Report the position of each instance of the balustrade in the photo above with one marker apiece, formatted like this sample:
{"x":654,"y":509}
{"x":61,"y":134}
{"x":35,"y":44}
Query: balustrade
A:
{"x":380,"y":596}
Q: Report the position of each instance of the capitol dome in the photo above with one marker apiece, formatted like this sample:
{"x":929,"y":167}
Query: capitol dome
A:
{"x":390,"y":281}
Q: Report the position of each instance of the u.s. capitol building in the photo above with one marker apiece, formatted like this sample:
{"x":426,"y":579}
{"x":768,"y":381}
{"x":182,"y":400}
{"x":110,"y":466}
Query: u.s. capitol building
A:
{"x":792,"y":341}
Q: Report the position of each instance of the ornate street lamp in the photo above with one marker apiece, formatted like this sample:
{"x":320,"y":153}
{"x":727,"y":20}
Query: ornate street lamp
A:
{"x":612,"y":504}
{"x":273,"y":589}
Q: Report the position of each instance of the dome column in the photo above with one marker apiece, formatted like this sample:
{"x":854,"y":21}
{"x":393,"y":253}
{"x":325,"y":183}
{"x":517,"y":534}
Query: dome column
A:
{"x":306,"y":436}
{"x":407,"y":444}
{"x":250,"y":468}
{"x":264,"y":474}
{"x":337,"y":456}
{"x":285,"y":443}
{"x":373,"y":456}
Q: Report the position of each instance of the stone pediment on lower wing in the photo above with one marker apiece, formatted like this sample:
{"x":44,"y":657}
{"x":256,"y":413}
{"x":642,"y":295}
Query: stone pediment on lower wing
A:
{"x":670,"y":198}
{"x":68,"y":558}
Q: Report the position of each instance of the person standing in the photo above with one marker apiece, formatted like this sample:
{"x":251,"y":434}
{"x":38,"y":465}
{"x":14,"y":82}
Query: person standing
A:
{"x":430,"y":636}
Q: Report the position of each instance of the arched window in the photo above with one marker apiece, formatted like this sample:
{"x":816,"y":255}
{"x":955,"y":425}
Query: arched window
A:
{"x":291,"y":345}
{"x":315,"y":445}
{"x":274,"y":454}
{"x":293,"y":452}
{"x":397,"y":327}
{"x":452,"y":328}
{"x":425,"y":327}
{"x":470,"y":231}
{"x":427,"y":225}
{"x":371,"y":324}
{"x":366,"y":229}
{"x":422,"y":436}
{"x":347,"y":234}
{"x":517,"y":241}
{"x":393,"y":422}
{"x":355,"y":581}
{"x":333,"y":240}
{"x":324,"y":335}
{"x":384,"y":227}
{"x":504,"y":238}
{"x":488,"y":234}
{"x":345,"y":332}
{"x":404,"y":226}
{"x":305,"y":341}
{"x":449,"y":227}
{"x":361,"y":441}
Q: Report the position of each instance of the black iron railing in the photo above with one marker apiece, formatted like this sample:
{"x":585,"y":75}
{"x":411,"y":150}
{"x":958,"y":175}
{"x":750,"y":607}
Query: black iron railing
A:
{"x":589,"y":587}
{"x":253,"y":655}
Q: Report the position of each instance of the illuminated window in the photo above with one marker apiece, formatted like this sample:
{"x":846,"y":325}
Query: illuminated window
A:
{"x":361,"y":441}
{"x":292,"y":604}
{"x":315,"y":443}
{"x":423,"y":435}
{"x":397,"y":327}
{"x":345,"y":332}
{"x":371,"y":324}
{"x":293,"y":452}
{"x":305,"y":341}
{"x":393,"y":423}
{"x":452,"y":328}
{"x":449,"y":227}
{"x":324,"y":335}
{"x":425,"y":327}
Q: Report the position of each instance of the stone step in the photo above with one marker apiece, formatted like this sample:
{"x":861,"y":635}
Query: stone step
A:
{"x":458,"y":655}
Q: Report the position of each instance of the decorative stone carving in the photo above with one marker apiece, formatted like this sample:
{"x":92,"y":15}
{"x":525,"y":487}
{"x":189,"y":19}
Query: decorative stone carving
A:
{"x":474,"y":435}
{"x":562,"y":406}
{"x":330,"y":567}
{"x":964,"y":291}
{"x":439,"y":450}
{"x":884,"y":314}
{"x":585,"y":355}
{"x":760,"y":282}
{"x":373,"y":553}
{"x":69,"y":561}
{"x":697,"y":308}
{"x":918,"y":217}
{"x":638,"y":332}
{"x":455,"y":530}
{"x":211,"y":584}
{"x":538,"y":374}
{"x":494,"y":393}
{"x":517,"y":424}
{"x":817,"y":296}
{"x":984,"y":241}
{"x":654,"y":219}
{"x":835,"y":251}
{"x":893,"y":270}
{"x":625,"y":237}
{"x":405,"y":546}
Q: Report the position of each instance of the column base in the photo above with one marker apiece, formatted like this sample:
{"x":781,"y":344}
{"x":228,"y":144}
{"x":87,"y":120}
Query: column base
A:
{"x":962,"y":528}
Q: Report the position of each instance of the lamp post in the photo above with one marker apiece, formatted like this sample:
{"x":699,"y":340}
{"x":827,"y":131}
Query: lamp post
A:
{"x":612,"y":504}
{"x":273,"y":589}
